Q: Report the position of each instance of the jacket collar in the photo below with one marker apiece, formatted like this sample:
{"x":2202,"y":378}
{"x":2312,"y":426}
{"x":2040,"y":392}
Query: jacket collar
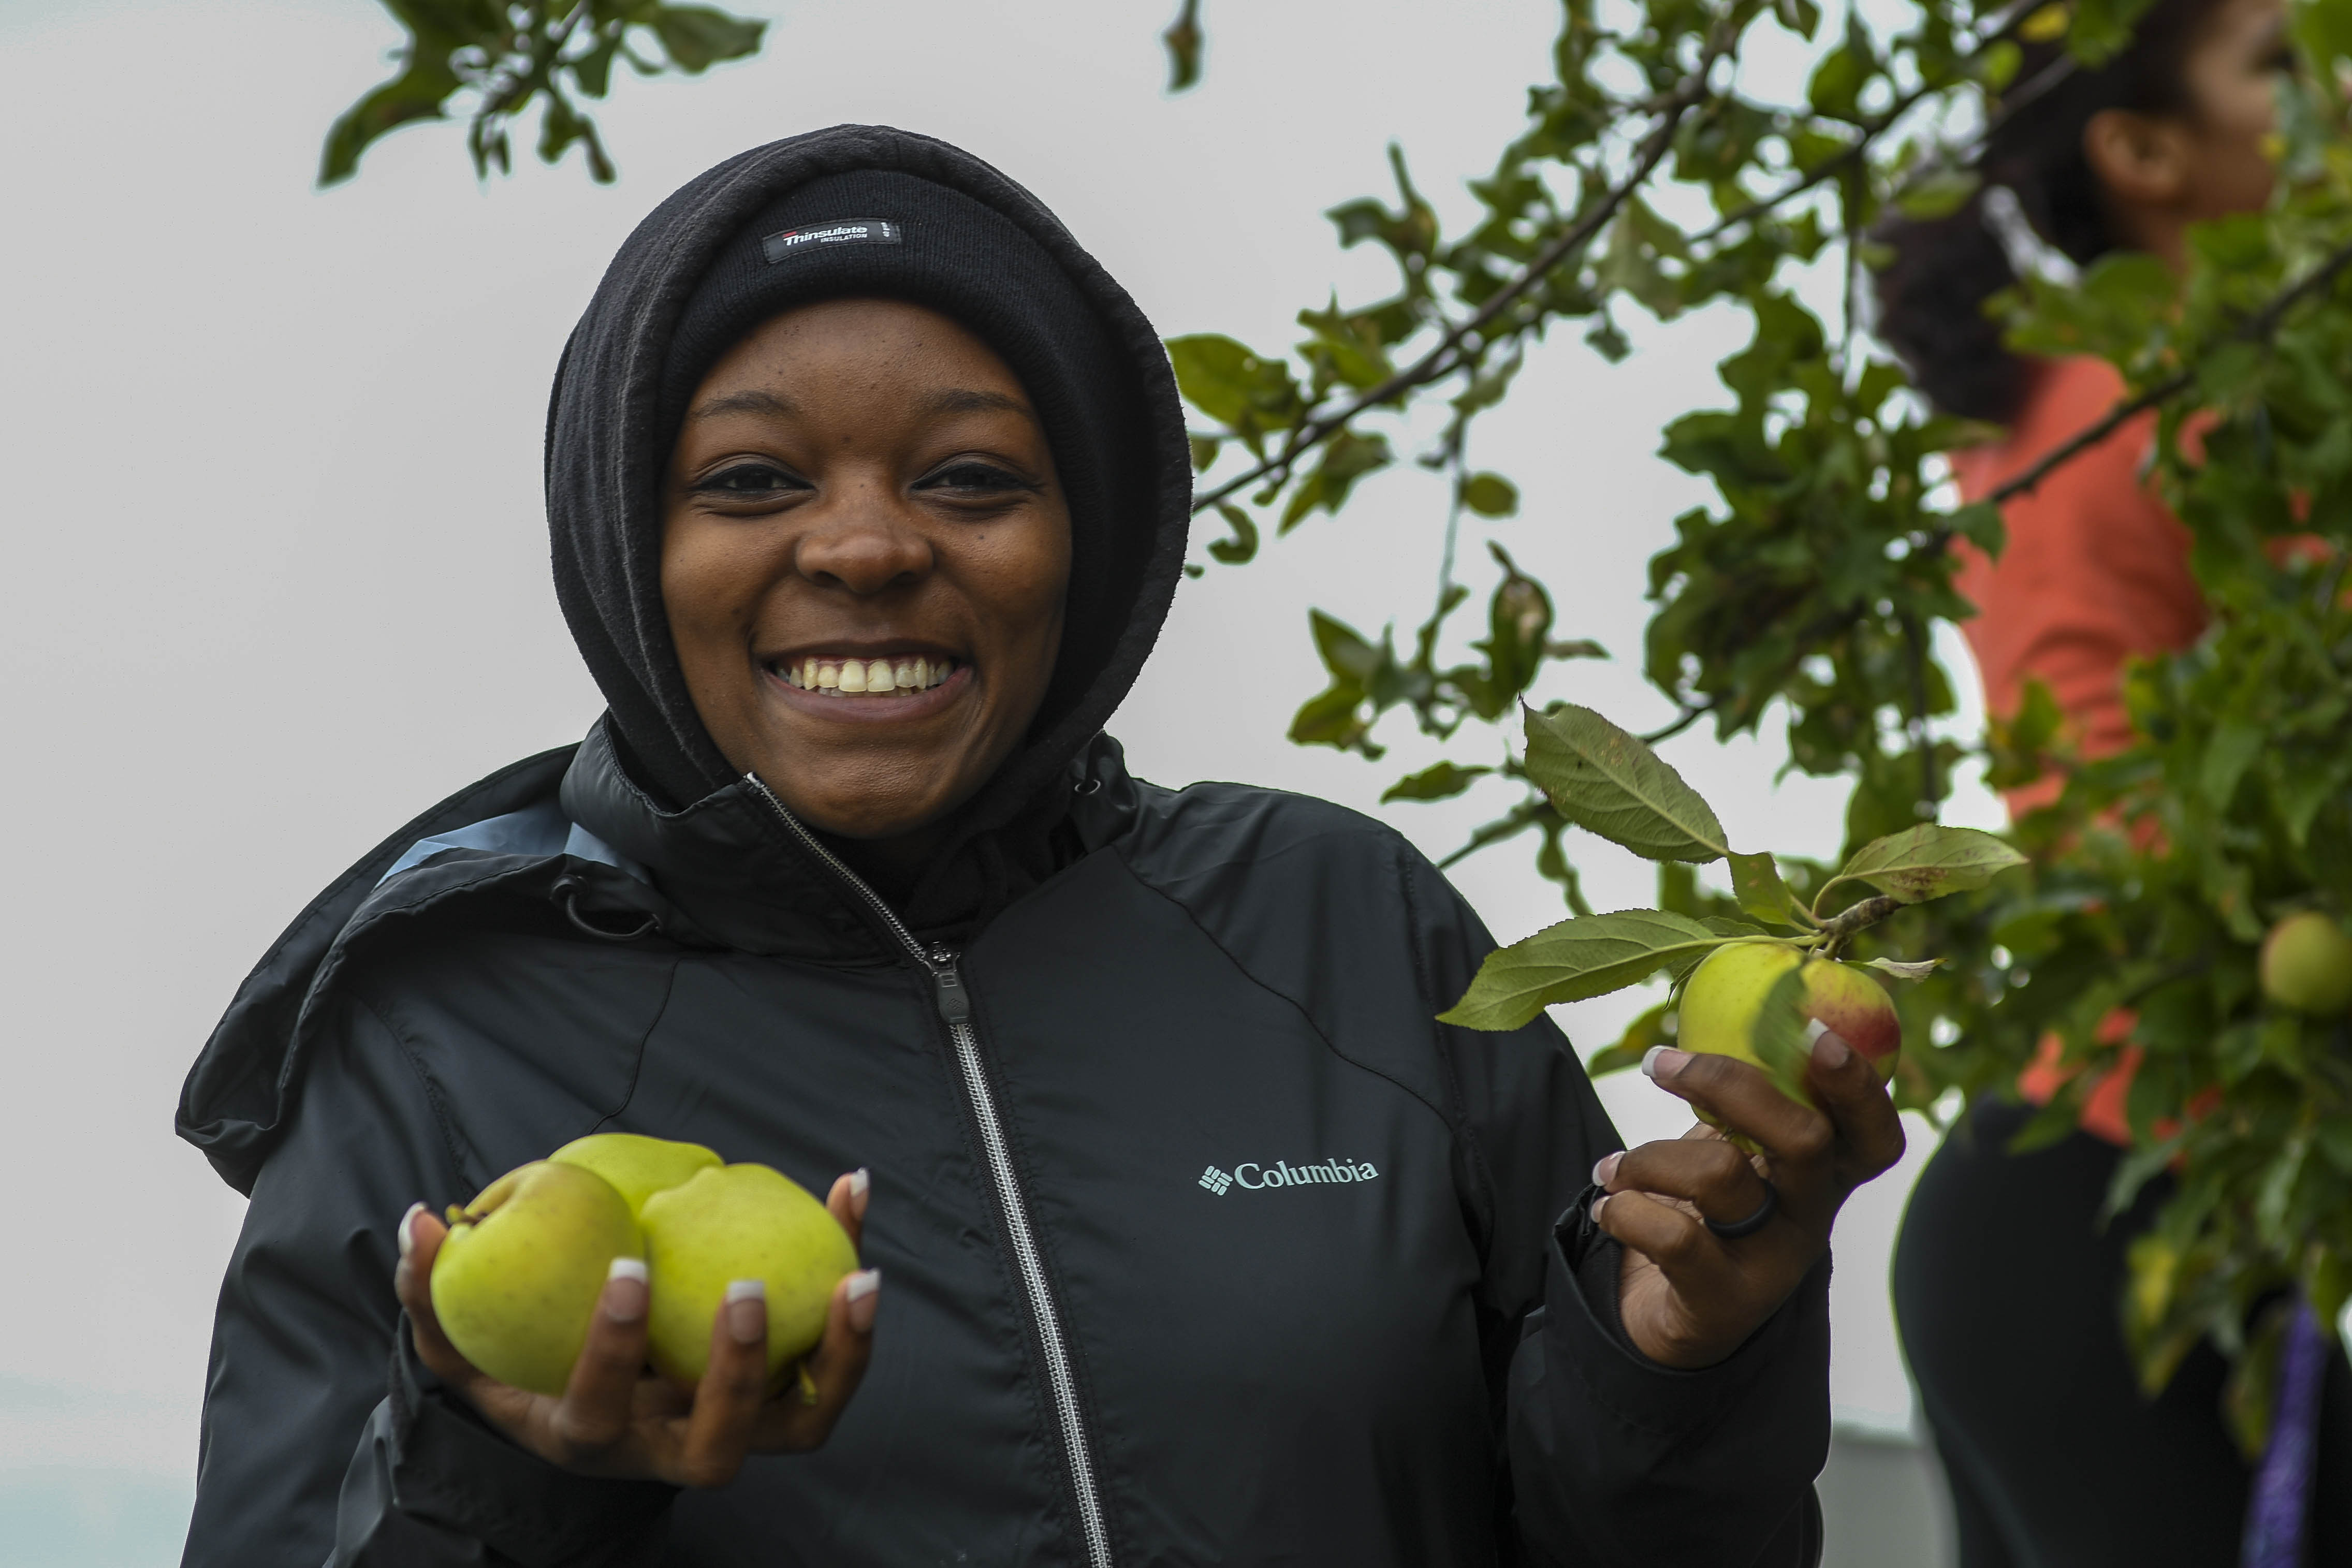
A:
{"x":739,"y":873}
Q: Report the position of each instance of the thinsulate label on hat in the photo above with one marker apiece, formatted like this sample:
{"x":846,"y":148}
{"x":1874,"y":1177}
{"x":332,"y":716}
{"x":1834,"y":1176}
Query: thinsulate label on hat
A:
{"x":839,"y":231}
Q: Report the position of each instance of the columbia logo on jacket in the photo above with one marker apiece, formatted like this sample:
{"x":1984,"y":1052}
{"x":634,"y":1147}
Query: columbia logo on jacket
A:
{"x":1282,"y":1173}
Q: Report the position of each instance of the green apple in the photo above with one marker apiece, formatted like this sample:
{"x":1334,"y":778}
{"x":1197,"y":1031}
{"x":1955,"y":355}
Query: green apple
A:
{"x":2307,"y":965}
{"x":516,"y":1282}
{"x":1726,"y":994}
{"x":638,"y":1165}
{"x":738,"y":1222}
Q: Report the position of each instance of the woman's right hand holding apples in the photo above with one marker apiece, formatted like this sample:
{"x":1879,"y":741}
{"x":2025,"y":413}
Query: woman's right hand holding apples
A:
{"x":617,"y":1417}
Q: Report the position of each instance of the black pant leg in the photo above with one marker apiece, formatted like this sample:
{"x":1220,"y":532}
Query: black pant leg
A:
{"x":1980,"y":1536}
{"x":2331,"y":1487}
{"x":2007,"y":1294}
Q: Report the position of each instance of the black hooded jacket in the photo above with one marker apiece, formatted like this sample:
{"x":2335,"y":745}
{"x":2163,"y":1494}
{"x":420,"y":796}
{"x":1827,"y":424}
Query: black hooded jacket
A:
{"x":1202,"y":1242}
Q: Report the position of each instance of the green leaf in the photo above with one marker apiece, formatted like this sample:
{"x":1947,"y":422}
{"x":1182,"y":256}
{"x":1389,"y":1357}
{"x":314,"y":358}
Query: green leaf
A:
{"x":1999,"y":64}
{"x":417,"y":93}
{"x":1490,"y":496}
{"x":1330,"y":717}
{"x":1781,"y":1037}
{"x":1589,"y":957}
{"x":1243,"y":546}
{"x":1608,"y":782}
{"x":1183,"y":39}
{"x":1756,"y":883}
{"x":1439,"y":782}
{"x":1231,"y":384}
{"x":2233,"y":747}
{"x":1836,"y":85}
{"x":593,"y":70}
{"x":1984,"y":526}
{"x":1346,"y":346}
{"x":1654,"y":1027}
{"x":1939,"y":195}
{"x":1346,"y":457}
{"x":1342,"y":648}
{"x":1928,"y":861}
{"x":2135,"y":1171}
{"x":1903,"y":969}
{"x":697,"y":37}
{"x":1519,"y":628}
{"x":2248,"y":1399}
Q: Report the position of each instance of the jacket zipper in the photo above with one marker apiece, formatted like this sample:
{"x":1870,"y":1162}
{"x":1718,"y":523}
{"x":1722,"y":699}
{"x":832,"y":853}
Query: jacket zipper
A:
{"x":954,"y":1004}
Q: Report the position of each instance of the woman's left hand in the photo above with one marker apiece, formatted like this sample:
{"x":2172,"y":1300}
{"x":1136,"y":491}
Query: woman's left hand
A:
{"x":1689,"y":1297}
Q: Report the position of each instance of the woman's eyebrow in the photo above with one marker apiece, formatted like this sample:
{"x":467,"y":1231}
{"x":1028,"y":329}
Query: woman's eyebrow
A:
{"x":969,"y":400}
{"x":748,"y":402}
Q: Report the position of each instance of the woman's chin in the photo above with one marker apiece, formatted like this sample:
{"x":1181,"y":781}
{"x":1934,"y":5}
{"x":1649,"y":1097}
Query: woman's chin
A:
{"x":861,"y":825}
{"x":900,"y":803}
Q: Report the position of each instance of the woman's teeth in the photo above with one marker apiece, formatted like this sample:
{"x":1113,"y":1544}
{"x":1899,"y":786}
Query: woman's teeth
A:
{"x":867,"y":677}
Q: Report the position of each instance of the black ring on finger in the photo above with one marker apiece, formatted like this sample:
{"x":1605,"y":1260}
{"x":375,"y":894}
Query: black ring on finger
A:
{"x":1754,"y":1222}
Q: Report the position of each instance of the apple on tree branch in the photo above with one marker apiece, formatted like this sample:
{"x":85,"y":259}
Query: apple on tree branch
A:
{"x":1739,"y":988}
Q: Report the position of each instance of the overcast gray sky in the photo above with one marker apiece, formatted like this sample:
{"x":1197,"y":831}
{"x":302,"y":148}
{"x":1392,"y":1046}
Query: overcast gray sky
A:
{"x":277,"y":579}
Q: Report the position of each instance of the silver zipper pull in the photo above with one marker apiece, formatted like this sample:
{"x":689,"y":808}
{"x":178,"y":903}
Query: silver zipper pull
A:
{"x":947,"y":984}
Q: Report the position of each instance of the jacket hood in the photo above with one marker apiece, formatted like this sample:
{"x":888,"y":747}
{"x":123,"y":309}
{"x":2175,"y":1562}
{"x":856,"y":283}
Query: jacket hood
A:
{"x":615,"y":400}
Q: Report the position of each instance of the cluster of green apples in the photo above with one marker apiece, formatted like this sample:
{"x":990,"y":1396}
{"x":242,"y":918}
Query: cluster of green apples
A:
{"x":516,"y":1282}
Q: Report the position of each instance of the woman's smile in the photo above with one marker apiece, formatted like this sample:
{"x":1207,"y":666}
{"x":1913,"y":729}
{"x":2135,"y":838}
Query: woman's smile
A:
{"x":863,"y":673}
{"x":863,"y":687}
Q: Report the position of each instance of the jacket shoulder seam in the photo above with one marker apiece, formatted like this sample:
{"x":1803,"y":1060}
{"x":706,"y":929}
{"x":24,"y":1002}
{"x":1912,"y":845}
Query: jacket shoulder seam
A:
{"x":1464,"y":1132}
{"x":1292,"y":1002}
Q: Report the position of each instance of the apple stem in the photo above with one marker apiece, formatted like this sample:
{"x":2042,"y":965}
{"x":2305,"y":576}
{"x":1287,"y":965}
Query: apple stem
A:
{"x":1841,"y":929}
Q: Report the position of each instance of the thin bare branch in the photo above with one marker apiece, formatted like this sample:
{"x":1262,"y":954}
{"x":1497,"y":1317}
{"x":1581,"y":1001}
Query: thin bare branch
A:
{"x":1691,"y":714}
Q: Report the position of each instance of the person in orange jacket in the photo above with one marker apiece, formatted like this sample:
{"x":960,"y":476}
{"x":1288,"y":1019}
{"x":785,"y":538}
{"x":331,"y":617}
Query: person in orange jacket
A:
{"x":2007,"y":1289}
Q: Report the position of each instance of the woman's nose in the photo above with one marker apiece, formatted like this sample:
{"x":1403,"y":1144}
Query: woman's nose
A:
{"x":865,"y":542}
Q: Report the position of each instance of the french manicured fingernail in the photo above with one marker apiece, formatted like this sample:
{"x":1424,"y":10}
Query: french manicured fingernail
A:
{"x":747,"y":1310}
{"x":407,"y":1222}
{"x":861,"y":1186}
{"x":1829,"y":1049}
{"x":1662,"y":1059}
{"x":1598,"y":1205}
{"x":626,"y":1291}
{"x":1606,"y":1168}
{"x":865,"y":1299}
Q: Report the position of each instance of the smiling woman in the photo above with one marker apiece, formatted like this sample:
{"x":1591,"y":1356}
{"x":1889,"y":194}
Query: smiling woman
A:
{"x":865,"y":525}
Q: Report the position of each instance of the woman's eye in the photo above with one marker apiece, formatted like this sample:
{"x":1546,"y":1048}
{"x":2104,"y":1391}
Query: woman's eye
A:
{"x":750,"y":479}
{"x":974,"y":479}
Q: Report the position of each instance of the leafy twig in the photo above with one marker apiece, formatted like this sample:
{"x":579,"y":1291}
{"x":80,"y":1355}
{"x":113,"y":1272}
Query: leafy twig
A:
{"x":2253,"y":328}
{"x":1843,"y":928}
{"x":1439,"y":361}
